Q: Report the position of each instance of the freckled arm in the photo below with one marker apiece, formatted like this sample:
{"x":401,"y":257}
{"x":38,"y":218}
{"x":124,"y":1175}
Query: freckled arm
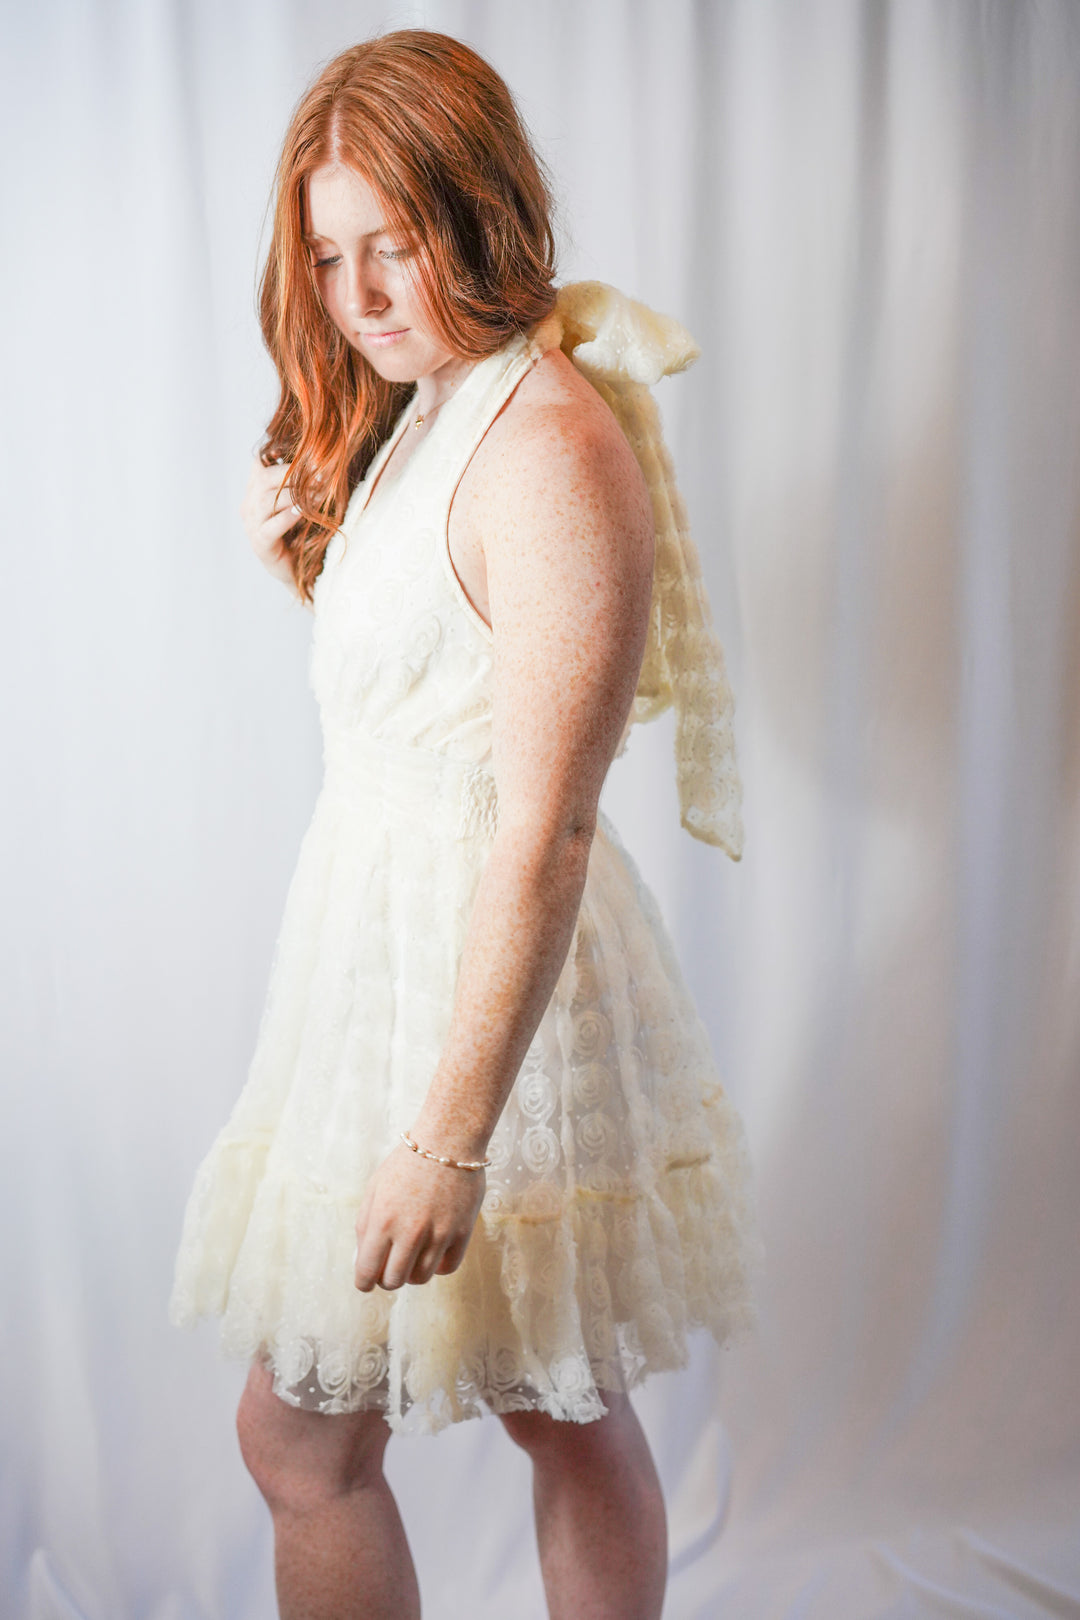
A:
{"x":569,"y":556}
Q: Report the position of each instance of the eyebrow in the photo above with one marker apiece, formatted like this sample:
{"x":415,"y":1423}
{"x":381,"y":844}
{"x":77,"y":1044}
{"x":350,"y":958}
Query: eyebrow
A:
{"x":311,"y":237}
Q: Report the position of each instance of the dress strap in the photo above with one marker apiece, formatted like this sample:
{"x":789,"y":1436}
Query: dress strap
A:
{"x":484,"y":393}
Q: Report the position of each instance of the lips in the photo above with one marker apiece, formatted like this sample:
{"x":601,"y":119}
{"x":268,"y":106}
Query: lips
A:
{"x":381,"y":339}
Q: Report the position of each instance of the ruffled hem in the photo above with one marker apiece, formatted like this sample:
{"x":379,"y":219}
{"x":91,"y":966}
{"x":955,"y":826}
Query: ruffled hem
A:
{"x":557,"y":1300}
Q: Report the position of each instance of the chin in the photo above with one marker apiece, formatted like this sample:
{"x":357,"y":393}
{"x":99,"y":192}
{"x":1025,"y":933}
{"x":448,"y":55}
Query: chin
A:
{"x":397,"y":365}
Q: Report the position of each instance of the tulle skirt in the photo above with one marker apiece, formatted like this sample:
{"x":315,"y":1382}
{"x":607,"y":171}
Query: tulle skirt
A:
{"x":618,"y":1215}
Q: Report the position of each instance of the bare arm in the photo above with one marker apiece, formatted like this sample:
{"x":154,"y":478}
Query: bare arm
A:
{"x":569,"y":572}
{"x":568,"y":541}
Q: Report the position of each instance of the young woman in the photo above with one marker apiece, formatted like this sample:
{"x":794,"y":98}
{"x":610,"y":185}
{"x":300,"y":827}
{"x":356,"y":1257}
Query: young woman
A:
{"x":482,"y":1161}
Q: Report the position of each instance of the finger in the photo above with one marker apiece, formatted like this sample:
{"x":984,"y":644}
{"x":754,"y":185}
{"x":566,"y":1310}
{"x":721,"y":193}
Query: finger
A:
{"x":279,"y":484}
{"x":373,"y":1253}
{"x":453,"y":1257}
{"x":398,"y":1268}
{"x":264,"y":483}
{"x":426,"y":1264}
{"x":363,"y":1245}
{"x":280,"y":500}
{"x":269,"y":495}
{"x":272,"y":528}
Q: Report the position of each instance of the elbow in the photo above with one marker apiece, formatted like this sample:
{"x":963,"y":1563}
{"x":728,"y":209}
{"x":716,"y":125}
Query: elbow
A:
{"x":577,"y":821}
{"x":563,"y":855}
{"x":548,"y":841}
{"x":575,"y":844}
{"x":581,"y":829}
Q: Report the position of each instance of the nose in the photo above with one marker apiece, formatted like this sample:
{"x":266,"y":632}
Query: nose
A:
{"x":365,"y":294}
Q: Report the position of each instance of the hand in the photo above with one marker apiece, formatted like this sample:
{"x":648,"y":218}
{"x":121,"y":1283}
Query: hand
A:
{"x":268,"y":515}
{"x":416,"y":1220}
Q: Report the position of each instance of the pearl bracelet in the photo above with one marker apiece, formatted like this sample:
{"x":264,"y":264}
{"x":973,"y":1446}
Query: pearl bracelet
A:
{"x":437,"y":1158}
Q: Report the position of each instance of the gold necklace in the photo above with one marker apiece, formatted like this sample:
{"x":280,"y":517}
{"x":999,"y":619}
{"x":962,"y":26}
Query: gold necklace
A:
{"x":419,"y":420}
{"x":425,"y":414}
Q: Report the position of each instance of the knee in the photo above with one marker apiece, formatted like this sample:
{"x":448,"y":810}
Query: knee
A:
{"x":544,"y":1437}
{"x":532,"y":1431}
{"x":299,"y":1458}
{"x":261,"y":1428}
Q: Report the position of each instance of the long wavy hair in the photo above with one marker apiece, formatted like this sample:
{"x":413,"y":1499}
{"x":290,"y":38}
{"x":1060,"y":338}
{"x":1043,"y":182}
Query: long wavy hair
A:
{"x":433,"y":129}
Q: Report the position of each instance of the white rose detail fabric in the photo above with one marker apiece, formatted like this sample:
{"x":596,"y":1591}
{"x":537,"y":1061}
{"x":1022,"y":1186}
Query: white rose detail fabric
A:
{"x":618,"y":1214}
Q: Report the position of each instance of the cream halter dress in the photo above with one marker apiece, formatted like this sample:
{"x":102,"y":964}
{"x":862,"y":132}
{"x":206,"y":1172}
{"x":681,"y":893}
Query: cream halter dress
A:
{"x":618,"y":1211}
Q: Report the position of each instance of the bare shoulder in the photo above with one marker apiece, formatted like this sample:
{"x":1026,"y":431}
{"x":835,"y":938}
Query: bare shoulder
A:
{"x":561,"y":522}
{"x":555,"y":443}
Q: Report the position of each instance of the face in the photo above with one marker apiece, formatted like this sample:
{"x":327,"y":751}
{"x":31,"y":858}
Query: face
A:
{"x":367,"y":277}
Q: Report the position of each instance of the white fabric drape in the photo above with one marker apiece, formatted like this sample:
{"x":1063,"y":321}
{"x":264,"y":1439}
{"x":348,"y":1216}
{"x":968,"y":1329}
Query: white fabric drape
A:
{"x":868,"y":216}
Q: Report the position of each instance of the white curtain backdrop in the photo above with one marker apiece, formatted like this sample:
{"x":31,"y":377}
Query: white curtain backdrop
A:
{"x":869,"y":216}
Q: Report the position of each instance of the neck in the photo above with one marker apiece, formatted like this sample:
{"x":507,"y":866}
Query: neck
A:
{"x":435,"y":389}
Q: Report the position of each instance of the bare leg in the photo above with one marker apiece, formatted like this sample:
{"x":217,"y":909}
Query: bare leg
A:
{"x":340,"y":1551}
{"x":600,"y":1520}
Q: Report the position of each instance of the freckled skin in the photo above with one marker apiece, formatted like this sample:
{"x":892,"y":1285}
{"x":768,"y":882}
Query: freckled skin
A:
{"x":551,"y":535}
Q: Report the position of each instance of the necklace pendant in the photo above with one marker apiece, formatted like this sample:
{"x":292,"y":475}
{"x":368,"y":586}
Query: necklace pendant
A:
{"x":419,"y":419}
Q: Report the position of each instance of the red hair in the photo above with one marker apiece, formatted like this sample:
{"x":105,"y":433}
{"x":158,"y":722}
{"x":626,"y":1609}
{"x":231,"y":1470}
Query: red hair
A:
{"x":433,"y":129}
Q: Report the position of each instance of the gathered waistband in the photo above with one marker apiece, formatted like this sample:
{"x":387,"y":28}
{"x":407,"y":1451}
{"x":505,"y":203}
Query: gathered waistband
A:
{"x":410,"y":781}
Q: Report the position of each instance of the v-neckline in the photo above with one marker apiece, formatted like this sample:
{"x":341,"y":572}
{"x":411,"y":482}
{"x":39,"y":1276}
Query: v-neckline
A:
{"x":372,"y":481}
{"x":397,"y":432}
{"x":385,"y":451}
